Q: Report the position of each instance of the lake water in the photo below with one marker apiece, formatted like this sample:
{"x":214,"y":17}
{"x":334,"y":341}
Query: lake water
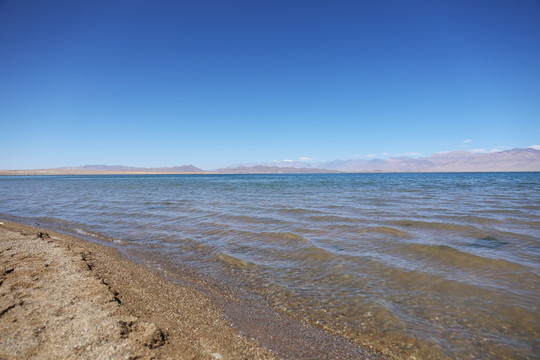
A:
{"x":430,"y":265}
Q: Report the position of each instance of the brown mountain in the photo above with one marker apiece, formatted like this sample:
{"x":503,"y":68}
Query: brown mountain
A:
{"x":104,"y":169}
{"x":455,"y":161}
{"x":183,"y":169}
{"x":260,"y":169}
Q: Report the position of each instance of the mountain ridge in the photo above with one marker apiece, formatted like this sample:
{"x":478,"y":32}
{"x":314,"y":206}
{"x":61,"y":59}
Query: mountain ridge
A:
{"x":183,"y":168}
{"x":518,"y":159}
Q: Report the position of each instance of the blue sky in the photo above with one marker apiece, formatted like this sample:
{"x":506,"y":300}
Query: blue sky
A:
{"x":212,"y":83}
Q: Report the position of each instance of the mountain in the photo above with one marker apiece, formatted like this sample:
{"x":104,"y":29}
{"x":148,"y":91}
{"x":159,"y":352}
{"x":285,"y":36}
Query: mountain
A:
{"x":104,"y":169}
{"x":455,"y":161}
{"x":275,"y":163}
{"x":183,"y":169}
{"x":509,"y":160}
{"x":260,"y":169}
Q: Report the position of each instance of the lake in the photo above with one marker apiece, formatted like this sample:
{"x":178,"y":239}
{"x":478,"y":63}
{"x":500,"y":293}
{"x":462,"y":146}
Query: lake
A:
{"x":430,"y":265}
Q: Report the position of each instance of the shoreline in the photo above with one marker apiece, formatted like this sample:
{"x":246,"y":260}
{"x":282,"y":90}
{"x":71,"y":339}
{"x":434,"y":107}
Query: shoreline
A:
{"x":142,"y":313}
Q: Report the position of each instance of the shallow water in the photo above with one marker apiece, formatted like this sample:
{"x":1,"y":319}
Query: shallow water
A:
{"x":430,"y":265}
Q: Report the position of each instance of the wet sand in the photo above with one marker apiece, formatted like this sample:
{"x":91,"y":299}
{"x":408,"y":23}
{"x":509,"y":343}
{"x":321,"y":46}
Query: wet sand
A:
{"x":64,"y":297}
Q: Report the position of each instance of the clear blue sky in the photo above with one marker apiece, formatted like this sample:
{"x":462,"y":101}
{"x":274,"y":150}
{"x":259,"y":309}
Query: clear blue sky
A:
{"x":212,"y":83}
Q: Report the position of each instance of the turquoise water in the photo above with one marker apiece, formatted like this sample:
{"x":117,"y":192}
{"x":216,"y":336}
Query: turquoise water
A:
{"x":430,"y":265}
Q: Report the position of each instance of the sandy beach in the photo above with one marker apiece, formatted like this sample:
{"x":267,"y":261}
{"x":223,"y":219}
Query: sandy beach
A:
{"x":64,"y":297}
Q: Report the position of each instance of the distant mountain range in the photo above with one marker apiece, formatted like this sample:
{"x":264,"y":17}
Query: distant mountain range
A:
{"x":455,"y":161}
{"x":262,"y":169}
{"x":105,"y":169}
{"x":173,"y":169}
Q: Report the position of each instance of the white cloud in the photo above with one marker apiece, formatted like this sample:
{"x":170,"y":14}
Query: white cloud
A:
{"x":401,"y":154}
{"x":495,"y":149}
{"x":367,"y":155}
{"x":466,"y":141}
{"x":535,"y":147}
{"x":408,"y":154}
{"x":287,"y":160}
{"x":305,"y":158}
{"x":499,"y":148}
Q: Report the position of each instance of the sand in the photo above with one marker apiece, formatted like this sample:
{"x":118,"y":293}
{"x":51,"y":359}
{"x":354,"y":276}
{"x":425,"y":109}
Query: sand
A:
{"x":65,"y":298}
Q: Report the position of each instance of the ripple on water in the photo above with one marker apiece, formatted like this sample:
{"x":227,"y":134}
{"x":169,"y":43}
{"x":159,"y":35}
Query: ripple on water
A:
{"x":445,"y":263}
{"x":265,"y":239}
{"x":299,"y":211}
{"x":435,"y":225}
{"x":489,"y":242}
{"x":389,"y":231}
{"x":233,"y":261}
{"x":453,"y":258}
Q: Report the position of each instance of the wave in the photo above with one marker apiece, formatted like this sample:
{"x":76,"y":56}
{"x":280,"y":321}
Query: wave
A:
{"x":451,"y":258}
{"x":435,"y":225}
{"x":299,"y":211}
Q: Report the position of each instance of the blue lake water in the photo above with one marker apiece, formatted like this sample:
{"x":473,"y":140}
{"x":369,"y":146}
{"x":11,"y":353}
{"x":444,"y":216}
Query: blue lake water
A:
{"x":430,"y":265}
